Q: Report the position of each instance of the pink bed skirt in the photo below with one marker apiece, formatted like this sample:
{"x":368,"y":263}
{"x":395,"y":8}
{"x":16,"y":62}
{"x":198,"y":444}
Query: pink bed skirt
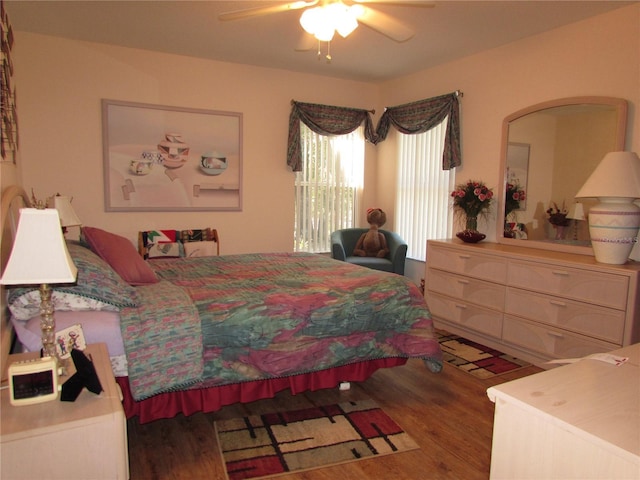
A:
{"x":188,"y":402}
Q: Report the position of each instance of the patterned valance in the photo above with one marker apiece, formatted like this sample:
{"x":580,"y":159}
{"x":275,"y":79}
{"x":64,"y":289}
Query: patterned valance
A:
{"x":422,"y":116}
{"x":325,"y":120}
{"x":410,"y":118}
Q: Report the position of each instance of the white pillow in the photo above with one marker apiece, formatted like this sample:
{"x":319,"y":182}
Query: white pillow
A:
{"x":28,"y":305}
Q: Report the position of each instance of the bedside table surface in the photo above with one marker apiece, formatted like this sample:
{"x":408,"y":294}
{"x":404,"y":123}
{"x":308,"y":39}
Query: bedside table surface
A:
{"x":590,"y":397}
{"x":27,"y":420}
{"x":67,"y":440}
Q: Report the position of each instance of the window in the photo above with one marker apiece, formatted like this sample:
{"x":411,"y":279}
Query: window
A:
{"x":422,"y":194}
{"x":327,"y":188}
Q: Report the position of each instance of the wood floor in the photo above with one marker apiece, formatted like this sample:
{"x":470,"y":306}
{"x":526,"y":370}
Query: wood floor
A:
{"x":448,"y":414}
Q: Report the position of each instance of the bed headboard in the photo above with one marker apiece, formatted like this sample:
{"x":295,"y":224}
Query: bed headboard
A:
{"x":13,"y":199}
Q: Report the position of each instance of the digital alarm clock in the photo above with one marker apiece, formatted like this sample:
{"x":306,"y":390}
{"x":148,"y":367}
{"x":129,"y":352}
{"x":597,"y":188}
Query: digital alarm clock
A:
{"x":33,"y":381}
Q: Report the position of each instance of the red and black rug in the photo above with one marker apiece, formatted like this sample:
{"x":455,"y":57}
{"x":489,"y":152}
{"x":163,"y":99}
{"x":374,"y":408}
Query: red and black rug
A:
{"x":264,"y":445}
{"x":477,"y":359}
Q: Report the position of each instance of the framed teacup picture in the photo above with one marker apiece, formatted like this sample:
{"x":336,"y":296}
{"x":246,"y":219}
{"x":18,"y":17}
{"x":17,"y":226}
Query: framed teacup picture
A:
{"x":161,"y":158}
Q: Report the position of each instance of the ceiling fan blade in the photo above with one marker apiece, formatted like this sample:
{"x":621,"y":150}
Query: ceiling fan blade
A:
{"x":385,"y":24}
{"x":399,"y":3}
{"x":261,"y":11}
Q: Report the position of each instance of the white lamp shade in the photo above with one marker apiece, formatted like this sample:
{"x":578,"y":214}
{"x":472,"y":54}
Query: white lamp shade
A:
{"x":68,"y":217}
{"x":576,"y":212}
{"x":617,"y":175}
{"x":39,"y":254}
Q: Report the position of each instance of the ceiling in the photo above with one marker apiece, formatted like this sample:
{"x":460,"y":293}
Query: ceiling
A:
{"x":449,"y":30}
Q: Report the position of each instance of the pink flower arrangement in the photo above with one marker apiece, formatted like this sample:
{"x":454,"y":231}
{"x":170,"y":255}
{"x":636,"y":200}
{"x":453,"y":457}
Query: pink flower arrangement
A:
{"x":473,"y":198}
{"x":514,"y":195}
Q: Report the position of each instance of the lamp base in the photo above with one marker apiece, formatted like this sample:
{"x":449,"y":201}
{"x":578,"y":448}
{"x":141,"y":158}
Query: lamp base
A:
{"x":613,"y":227}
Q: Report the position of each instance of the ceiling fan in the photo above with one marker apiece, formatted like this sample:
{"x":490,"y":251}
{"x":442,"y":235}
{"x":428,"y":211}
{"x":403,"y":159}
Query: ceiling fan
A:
{"x":322,"y":18}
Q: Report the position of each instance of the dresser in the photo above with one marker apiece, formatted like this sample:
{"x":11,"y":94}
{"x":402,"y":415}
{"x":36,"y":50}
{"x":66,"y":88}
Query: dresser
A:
{"x":85,"y":439}
{"x":578,"y":421}
{"x":534,"y":304}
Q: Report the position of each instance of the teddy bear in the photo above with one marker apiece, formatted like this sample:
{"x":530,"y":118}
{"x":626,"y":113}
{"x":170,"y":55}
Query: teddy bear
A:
{"x":373,"y":243}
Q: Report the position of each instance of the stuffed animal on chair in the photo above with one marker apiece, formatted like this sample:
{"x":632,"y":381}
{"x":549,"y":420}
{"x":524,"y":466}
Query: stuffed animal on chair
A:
{"x":373,"y":243}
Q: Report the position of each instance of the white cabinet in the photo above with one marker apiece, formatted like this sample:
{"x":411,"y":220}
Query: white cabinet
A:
{"x":534,"y":304}
{"x":575,"y":422}
{"x":67,"y":440}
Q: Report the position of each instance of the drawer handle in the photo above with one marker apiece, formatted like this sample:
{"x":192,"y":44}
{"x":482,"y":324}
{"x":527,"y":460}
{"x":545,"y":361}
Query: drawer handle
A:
{"x":461,"y":306}
{"x":562,"y":273}
{"x":464,"y":257}
{"x":463,"y":282}
{"x":555,"y":334}
{"x":557,"y":303}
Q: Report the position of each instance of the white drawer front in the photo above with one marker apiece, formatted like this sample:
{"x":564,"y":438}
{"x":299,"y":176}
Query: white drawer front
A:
{"x":467,"y":288}
{"x":550,"y":341}
{"x":604,"y":323}
{"x":465,"y":314}
{"x":486,"y":267}
{"x":594,"y":287}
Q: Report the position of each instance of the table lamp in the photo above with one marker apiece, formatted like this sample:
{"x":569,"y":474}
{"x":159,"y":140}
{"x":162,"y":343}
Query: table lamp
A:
{"x":615,"y":220}
{"x":576,"y":213}
{"x":68,"y":217}
{"x":40,"y":256}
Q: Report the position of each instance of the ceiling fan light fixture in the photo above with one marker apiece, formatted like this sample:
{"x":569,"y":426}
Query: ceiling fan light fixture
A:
{"x":347,"y":21}
{"x":322,"y":22}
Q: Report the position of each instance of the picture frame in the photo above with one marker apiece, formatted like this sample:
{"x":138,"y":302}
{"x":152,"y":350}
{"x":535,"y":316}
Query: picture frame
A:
{"x":68,"y":339}
{"x":164,"y":158}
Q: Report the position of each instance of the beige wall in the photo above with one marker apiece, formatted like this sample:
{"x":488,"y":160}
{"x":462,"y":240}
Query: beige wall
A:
{"x":60,"y":84}
{"x":598,"y":56}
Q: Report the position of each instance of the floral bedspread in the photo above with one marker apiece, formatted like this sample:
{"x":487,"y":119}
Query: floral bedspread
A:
{"x":273,"y":315}
{"x":163,"y":340}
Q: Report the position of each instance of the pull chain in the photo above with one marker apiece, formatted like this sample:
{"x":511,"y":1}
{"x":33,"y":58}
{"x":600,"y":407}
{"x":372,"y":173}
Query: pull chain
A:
{"x":328,"y":55}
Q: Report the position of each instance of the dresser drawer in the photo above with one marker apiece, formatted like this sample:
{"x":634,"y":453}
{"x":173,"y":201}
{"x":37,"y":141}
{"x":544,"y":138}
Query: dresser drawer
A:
{"x":465,"y":314}
{"x":468,"y":289}
{"x":549,"y":341}
{"x":594,"y":287}
{"x":604,"y":323}
{"x":486,"y":267}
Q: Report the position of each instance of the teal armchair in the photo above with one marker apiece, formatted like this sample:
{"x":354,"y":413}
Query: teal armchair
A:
{"x":344,"y":241}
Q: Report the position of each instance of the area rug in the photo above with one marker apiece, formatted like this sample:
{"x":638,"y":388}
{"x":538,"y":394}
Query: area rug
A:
{"x":264,"y":445}
{"x":477,"y":359}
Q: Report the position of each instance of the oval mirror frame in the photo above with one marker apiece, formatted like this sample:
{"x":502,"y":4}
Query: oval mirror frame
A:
{"x":620,"y":106}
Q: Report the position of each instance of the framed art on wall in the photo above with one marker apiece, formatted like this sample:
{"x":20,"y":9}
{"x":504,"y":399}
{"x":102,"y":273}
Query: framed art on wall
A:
{"x":162,"y":158}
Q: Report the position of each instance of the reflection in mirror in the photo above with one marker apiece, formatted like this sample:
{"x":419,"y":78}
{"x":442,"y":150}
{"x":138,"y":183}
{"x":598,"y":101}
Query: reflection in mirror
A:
{"x":548,"y":152}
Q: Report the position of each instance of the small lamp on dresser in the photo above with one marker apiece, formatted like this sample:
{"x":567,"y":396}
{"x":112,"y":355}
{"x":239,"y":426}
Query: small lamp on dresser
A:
{"x":615,"y":220}
{"x":40,"y":256}
{"x":576,"y":213}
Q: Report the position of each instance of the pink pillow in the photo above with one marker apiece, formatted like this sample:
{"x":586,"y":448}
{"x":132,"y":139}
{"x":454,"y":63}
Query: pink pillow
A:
{"x":120,"y":253}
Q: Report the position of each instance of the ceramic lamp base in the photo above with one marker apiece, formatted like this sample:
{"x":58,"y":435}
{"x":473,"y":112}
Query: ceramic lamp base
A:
{"x":613,"y":227}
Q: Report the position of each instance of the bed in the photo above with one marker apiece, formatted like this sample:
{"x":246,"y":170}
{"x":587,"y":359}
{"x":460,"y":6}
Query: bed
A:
{"x":191,"y":335}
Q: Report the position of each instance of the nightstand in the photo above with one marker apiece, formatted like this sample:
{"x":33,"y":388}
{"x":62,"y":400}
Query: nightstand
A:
{"x":578,"y":421}
{"x":67,"y":440}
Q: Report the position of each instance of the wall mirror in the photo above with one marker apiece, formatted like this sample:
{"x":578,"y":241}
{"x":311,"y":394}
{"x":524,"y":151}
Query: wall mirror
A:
{"x":549,"y":150}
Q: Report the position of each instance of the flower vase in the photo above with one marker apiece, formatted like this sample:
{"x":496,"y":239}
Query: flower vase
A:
{"x":471,"y":234}
{"x":472,"y":224}
{"x":560,"y":232}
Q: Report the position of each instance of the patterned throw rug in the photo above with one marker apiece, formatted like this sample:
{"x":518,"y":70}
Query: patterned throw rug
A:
{"x":477,"y":359}
{"x":263,"y":445}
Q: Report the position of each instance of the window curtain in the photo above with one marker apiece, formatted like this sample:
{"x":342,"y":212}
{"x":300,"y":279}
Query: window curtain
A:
{"x":325,"y":120}
{"x":423,"y":115}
